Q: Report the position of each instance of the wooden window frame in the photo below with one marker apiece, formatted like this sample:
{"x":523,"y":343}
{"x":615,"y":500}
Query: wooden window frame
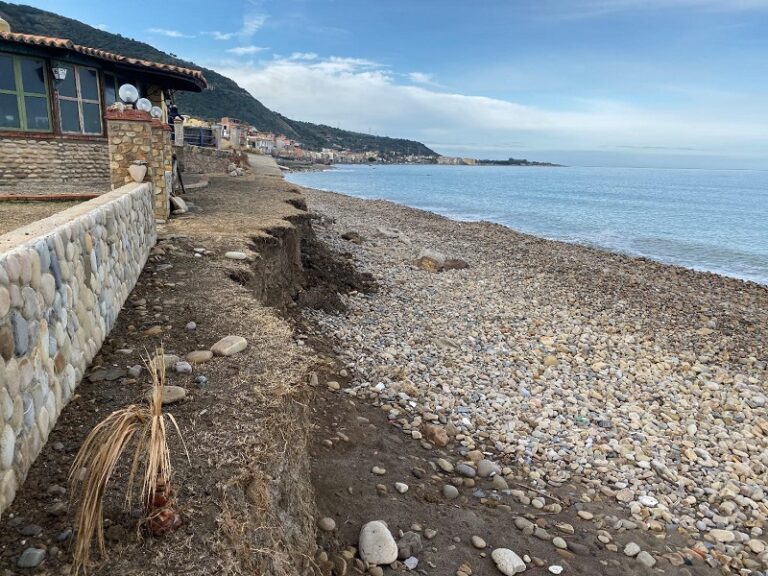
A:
{"x":21,"y":94}
{"x":80,"y":101}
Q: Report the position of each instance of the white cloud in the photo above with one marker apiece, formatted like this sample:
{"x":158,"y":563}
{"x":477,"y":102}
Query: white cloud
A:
{"x":101,"y":26}
{"x":216,"y":35}
{"x":424,"y":79}
{"x":244,"y":50}
{"x":252,"y":22}
{"x":170,"y":33}
{"x":303,"y":56}
{"x":421,"y":77}
{"x":357,"y":94}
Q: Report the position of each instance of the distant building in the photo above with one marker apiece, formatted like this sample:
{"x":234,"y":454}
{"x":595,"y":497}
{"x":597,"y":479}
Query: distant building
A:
{"x":261,"y":142}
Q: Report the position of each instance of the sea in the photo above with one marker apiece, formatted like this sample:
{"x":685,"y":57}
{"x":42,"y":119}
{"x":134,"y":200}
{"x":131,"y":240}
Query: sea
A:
{"x":710,"y":220}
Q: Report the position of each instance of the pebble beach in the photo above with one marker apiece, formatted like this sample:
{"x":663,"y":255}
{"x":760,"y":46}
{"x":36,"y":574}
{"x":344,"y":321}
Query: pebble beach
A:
{"x":641,"y":382}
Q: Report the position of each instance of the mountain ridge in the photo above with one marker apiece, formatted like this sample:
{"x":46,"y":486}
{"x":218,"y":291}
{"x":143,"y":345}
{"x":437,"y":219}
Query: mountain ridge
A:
{"x":224,"y":96}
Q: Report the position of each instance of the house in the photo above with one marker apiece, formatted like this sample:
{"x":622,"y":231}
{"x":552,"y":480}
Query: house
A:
{"x":53,"y":100}
{"x":262,"y":142}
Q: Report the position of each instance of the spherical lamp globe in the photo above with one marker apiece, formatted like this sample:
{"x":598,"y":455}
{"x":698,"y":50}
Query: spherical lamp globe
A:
{"x":128,"y":93}
{"x":144,"y":105}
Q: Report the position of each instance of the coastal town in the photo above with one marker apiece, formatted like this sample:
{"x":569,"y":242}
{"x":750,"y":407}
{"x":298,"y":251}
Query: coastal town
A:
{"x":232,"y":133}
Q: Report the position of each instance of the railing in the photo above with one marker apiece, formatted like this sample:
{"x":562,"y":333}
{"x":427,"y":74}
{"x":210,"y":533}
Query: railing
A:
{"x":202,"y":137}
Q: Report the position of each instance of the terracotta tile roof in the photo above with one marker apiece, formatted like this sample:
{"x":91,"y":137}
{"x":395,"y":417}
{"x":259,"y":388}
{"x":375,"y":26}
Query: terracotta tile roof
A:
{"x":64,"y":44}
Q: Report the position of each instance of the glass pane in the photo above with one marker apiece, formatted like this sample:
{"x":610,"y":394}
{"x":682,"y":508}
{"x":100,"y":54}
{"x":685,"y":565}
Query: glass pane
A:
{"x":92,"y":118}
{"x":70,"y":117}
{"x":7,"y":77}
{"x":32,"y":76}
{"x":67,"y":86}
{"x":9,"y":111}
{"x":110,"y":92}
{"x":37,"y":113}
{"x":89,"y":86}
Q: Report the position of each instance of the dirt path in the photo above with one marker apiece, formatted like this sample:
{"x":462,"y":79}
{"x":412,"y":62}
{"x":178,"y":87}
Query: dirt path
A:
{"x":244,"y":495}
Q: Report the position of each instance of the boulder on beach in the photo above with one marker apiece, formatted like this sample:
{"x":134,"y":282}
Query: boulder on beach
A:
{"x":507,"y":561}
{"x":377,"y":546}
{"x":430,"y":260}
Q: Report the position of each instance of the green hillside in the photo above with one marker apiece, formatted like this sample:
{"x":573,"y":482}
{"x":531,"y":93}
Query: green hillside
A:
{"x":223,"y":98}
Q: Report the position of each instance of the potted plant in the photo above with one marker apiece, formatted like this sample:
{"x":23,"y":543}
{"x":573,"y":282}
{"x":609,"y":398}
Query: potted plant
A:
{"x":138,"y":170}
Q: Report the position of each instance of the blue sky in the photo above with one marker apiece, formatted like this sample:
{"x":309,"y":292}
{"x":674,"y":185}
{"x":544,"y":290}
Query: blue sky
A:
{"x":596,"y":82}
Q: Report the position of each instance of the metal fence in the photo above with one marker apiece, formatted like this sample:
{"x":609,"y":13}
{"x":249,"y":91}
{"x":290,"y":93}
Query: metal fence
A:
{"x":199,"y":137}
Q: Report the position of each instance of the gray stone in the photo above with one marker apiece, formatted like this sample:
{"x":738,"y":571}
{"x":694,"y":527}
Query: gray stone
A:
{"x":20,"y":333}
{"x":327,"y":524}
{"x":199,"y":356}
{"x":408,"y":545}
{"x":486,"y":468}
{"x":450,"y":492}
{"x":178,"y":205}
{"x":631,"y":549}
{"x":466,"y":470}
{"x":646,"y":559}
{"x":170,"y":394}
{"x":31,"y":558}
{"x":376,"y":544}
{"x":183,"y":367}
{"x":229,"y":345}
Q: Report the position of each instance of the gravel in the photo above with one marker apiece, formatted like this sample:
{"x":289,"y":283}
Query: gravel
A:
{"x":644,"y":382}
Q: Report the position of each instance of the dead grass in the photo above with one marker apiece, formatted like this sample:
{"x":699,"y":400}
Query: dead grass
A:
{"x":95,"y":463}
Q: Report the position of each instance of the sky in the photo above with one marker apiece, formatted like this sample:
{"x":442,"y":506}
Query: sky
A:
{"x":664,"y":83}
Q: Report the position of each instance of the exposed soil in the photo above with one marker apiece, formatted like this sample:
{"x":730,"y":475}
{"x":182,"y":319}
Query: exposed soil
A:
{"x":244,"y":495}
{"x":17,"y":214}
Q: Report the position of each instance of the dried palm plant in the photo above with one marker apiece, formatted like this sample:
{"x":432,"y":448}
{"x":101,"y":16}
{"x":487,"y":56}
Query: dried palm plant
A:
{"x":145,"y":428}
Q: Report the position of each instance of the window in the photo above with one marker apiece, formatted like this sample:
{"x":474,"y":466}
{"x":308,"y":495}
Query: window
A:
{"x":23,"y":94}
{"x":79,"y":102}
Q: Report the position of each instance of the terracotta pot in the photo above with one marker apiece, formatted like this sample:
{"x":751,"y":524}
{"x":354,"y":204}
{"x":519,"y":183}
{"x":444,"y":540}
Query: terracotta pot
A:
{"x":137,"y":172}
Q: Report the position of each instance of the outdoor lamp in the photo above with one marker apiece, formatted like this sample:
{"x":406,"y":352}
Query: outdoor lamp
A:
{"x":128,"y":93}
{"x":156,"y":112}
{"x":59,"y":72}
{"x":144,"y":105}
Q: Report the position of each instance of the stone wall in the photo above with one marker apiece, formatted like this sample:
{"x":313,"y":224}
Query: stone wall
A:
{"x":134,"y":136}
{"x":53,"y":159}
{"x":63,"y":281}
{"x":197,"y":160}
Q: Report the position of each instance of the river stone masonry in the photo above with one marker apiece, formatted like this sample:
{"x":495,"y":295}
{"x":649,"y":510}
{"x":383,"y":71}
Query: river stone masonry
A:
{"x":63,"y":281}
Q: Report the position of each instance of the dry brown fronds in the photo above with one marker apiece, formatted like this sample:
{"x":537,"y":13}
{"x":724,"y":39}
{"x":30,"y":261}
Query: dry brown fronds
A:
{"x":95,"y":463}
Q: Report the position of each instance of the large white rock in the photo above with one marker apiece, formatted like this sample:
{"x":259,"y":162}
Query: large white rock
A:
{"x":507,"y":561}
{"x":377,"y":546}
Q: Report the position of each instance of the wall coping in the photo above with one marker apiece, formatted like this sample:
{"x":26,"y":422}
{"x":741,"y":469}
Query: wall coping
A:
{"x":33,"y":232}
{"x":128,"y":115}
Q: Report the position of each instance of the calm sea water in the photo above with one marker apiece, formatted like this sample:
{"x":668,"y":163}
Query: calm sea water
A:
{"x":714,"y":220}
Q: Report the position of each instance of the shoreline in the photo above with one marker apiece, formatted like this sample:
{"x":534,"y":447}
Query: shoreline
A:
{"x":568,"y":364}
{"x":595,"y":248}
